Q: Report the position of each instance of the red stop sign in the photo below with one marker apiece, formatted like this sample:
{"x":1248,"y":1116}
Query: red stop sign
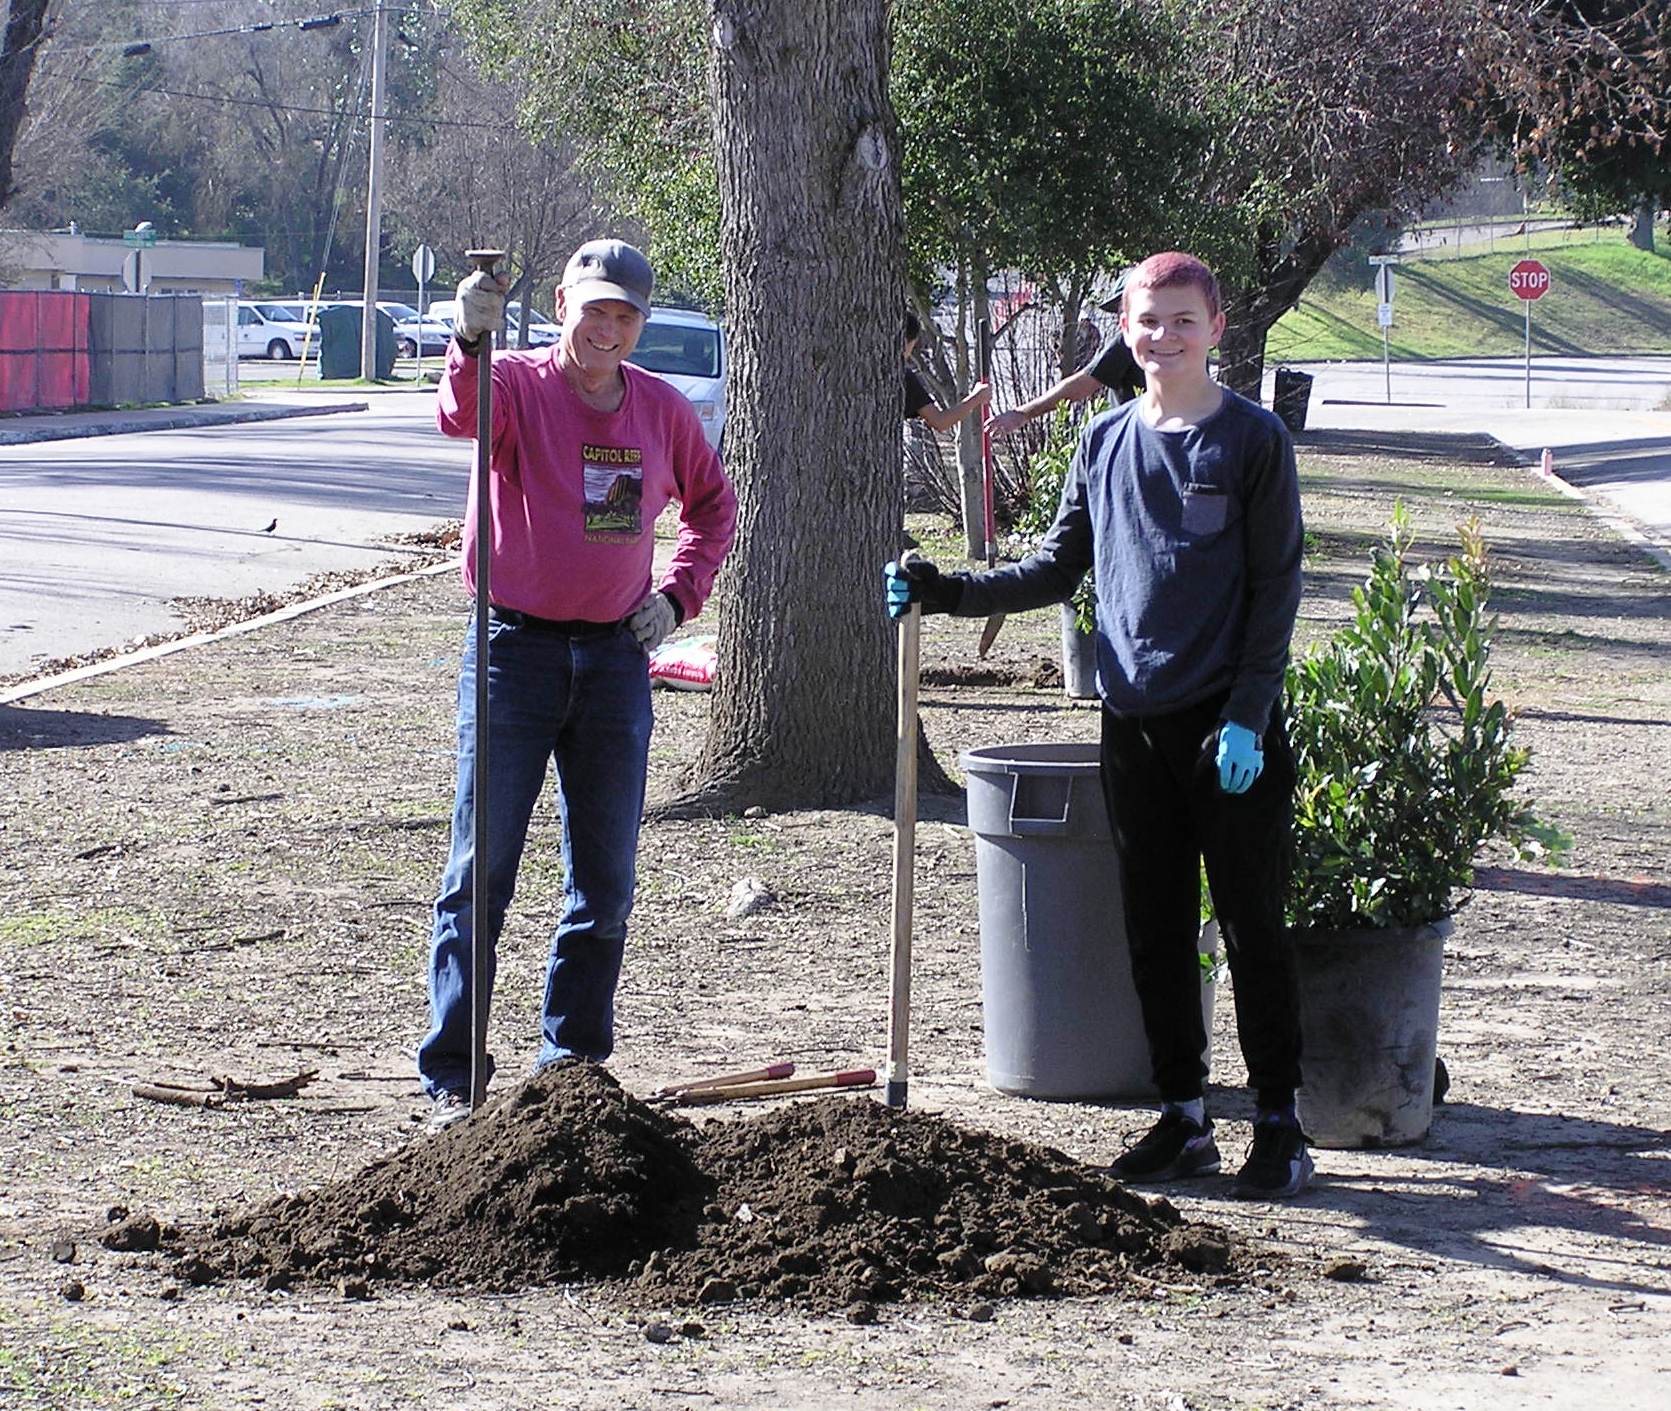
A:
{"x":1529,"y":279}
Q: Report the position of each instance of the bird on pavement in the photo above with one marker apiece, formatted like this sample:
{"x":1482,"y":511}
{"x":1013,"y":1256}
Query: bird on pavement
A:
{"x":271,"y":527}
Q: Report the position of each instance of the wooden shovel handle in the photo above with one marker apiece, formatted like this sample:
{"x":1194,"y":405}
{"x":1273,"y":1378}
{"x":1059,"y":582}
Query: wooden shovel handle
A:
{"x":742,"y":1092}
{"x":726,"y":1080}
{"x":905,"y":836}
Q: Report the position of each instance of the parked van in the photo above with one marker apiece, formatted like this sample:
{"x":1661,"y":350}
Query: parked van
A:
{"x":266,"y":330}
{"x":687,"y":348}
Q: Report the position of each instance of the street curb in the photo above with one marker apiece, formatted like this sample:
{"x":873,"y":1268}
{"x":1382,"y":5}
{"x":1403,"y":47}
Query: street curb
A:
{"x":1621,"y":524}
{"x":185,"y":420}
{"x":199,"y":639}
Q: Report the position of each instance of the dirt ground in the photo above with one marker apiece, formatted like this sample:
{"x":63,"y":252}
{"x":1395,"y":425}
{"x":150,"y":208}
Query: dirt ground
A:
{"x":220,"y":865}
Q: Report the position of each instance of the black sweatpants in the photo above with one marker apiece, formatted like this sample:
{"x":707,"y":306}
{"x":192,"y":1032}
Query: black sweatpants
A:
{"x":1168,"y":814}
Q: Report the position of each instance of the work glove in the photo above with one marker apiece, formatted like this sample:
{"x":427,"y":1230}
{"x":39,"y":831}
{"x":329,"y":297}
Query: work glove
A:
{"x":918,"y":581}
{"x":652,"y":620}
{"x":1240,"y":758}
{"x":480,"y":306}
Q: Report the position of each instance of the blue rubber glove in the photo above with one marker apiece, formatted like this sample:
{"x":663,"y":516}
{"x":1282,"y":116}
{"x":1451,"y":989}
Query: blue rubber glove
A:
{"x":1239,"y":758}
{"x":897,"y":590}
{"x":918,"y":581}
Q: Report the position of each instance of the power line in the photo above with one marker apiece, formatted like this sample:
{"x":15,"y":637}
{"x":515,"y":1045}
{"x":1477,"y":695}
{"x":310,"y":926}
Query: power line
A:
{"x":135,"y":47}
{"x":279,"y":107}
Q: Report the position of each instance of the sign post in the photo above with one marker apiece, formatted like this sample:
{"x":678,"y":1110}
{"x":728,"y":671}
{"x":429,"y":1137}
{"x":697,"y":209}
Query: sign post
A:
{"x":1529,"y":281}
{"x":1384,"y":312}
{"x":142,"y":237}
{"x":423,"y":269}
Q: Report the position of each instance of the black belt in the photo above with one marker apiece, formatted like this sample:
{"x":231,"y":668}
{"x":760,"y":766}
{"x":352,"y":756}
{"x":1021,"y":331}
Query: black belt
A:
{"x":575,"y":627}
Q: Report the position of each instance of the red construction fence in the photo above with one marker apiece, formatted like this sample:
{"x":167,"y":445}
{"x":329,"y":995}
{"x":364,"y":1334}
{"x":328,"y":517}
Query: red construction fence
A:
{"x":44,"y":349}
{"x":62,"y":349}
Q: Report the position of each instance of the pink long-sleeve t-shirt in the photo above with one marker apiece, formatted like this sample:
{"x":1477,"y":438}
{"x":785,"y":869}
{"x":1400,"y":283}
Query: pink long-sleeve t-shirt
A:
{"x":575,"y":492}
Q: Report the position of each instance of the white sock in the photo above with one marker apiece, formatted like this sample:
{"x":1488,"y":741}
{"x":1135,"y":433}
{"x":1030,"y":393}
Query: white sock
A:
{"x":1195,"y":1109}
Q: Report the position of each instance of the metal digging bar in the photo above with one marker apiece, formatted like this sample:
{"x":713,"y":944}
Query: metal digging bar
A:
{"x":483,"y":260}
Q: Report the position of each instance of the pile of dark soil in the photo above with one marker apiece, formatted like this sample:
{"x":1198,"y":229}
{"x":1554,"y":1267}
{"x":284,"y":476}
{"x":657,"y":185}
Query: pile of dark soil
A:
{"x":839,"y":1202}
{"x":829,"y":1203}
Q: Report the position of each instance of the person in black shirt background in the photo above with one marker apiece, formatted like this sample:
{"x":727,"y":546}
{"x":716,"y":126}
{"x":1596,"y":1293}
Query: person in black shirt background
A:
{"x":1115,"y":371}
{"x":919,"y":401}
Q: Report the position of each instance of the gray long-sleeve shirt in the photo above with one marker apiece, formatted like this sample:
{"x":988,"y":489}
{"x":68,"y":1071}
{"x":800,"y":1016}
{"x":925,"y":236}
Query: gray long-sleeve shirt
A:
{"x":1195,"y":540}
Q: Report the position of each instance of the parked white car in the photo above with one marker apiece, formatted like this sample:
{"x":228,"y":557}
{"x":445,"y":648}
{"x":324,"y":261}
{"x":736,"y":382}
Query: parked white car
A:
{"x":541,"y":330}
{"x":687,"y":348}
{"x":266,"y":330}
{"x":434,"y":333}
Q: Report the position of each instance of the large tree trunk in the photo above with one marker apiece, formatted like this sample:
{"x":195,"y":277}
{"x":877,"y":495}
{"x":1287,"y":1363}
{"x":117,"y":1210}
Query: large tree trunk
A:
{"x":1642,"y":227}
{"x":803,"y":708}
{"x":19,"y":46}
{"x":1251,"y":313}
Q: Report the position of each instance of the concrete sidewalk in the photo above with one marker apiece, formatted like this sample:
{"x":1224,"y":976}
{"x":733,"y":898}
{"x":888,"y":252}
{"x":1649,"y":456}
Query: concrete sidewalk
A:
{"x":263,"y":406}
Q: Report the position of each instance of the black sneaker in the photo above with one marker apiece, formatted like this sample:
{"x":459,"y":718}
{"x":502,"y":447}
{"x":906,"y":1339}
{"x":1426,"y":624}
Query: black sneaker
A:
{"x":1278,"y":1164}
{"x":1174,"y":1148}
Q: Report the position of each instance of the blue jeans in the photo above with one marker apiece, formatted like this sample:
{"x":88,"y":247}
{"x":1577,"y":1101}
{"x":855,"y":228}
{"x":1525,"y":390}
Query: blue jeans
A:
{"x":584,"y":701}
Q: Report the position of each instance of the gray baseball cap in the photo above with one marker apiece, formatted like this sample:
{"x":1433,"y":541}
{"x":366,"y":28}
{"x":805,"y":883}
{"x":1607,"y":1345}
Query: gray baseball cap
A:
{"x":610,"y":269}
{"x":1111,"y":305}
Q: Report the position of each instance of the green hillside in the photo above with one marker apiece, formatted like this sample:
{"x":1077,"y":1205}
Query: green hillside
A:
{"x":1606,"y":296}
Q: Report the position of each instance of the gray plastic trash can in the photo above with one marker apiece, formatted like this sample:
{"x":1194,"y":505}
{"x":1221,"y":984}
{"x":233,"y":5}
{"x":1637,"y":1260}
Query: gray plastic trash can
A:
{"x":1062,"y":1019}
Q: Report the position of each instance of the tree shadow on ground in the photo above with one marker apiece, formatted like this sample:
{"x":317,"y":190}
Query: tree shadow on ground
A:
{"x":1494,"y":314}
{"x":1443,"y":447}
{"x":29,"y":728}
{"x":1532,"y":1194}
{"x":1615,"y":891}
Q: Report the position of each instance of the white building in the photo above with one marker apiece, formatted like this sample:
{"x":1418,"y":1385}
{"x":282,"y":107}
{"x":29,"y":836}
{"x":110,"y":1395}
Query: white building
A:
{"x":52,"y":259}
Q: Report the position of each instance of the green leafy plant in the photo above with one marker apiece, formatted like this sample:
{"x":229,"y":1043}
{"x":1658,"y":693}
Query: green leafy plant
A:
{"x":1405,"y":762}
{"x":1047,"y":472}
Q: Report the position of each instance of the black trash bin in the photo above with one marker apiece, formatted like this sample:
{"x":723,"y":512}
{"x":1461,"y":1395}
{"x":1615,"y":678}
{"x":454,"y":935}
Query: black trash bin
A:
{"x":1291,"y":397}
{"x":339,"y":342}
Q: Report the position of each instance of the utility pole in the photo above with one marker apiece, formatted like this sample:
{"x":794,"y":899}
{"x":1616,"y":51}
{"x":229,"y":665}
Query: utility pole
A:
{"x":374,"y":194}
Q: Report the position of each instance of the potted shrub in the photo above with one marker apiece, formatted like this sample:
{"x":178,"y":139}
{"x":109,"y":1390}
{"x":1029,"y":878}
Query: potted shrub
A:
{"x":1406,"y":767}
{"x":1046,"y":473}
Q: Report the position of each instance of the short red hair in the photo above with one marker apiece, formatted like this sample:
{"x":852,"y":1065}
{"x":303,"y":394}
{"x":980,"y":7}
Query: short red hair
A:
{"x":1172,"y":268}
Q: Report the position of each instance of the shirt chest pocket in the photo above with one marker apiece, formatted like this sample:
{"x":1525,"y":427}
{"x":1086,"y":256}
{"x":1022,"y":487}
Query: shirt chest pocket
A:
{"x":1206,"y":509}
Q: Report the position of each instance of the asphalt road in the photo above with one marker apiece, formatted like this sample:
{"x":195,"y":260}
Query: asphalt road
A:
{"x":1498,"y":384}
{"x":1605,"y":421}
{"x":101,"y":533}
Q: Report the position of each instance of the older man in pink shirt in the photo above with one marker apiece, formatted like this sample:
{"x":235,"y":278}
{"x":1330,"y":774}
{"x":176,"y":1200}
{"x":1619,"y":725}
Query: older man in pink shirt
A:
{"x":587,"y":451}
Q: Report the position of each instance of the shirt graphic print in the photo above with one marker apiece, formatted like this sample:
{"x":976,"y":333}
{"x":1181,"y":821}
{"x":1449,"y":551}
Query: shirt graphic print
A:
{"x":614,"y":492}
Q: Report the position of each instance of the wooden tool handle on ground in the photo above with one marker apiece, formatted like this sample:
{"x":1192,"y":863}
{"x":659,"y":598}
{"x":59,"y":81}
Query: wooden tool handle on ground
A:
{"x":741,"y":1092}
{"x":727,"y":1080}
{"x":905,"y":837}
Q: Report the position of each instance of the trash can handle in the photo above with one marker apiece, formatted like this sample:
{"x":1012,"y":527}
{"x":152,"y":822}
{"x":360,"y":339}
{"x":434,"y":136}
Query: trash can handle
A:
{"x":1039,"y":804}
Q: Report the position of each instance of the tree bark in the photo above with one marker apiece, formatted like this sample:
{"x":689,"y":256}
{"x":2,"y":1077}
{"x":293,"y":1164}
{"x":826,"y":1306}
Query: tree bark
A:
{"x":812,"y":237}
{"x":19,"y":47}
{"x":1642,"y":227}
{"x":971,"y":467}
{"x":1251,"y":313}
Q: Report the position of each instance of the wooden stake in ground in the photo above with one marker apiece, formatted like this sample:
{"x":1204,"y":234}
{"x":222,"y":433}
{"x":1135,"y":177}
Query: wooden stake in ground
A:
{"x":905,"y":837}
{"x":484,"y":260}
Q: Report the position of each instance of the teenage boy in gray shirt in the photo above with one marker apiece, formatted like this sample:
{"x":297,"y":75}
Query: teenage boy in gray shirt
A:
{"x":1185,"y":505}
